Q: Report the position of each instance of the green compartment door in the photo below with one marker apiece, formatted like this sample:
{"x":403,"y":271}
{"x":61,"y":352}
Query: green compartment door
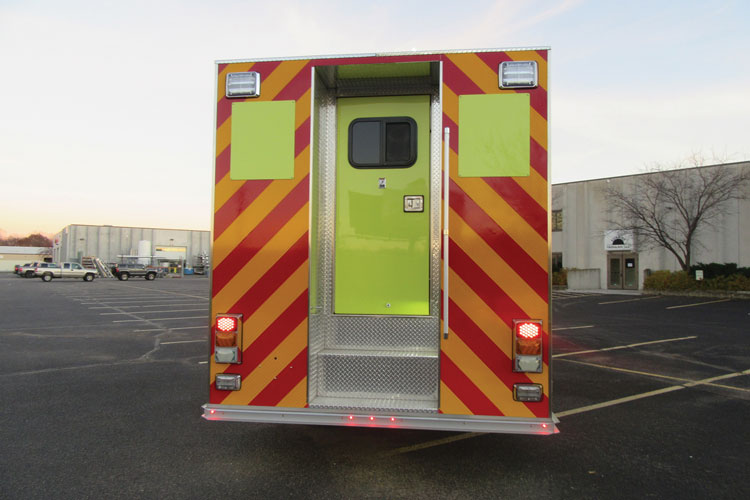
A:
{"x":382,"y":239}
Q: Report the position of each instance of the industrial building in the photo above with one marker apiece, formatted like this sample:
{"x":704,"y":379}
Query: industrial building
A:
{"x":604,"y":257}
{"x":10,"y":256}
{"x":159,"y":247}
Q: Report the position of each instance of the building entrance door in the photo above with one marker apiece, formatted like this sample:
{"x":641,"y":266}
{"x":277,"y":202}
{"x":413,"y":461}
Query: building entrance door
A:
{"x":622,"y":271}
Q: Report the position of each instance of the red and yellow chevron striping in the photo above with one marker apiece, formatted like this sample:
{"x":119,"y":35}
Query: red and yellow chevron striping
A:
{"x":499,"y":249}
{"x":499,"y":254}
{"x":260,"y":253}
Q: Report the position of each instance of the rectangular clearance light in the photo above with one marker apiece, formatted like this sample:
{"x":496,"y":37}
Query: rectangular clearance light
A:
{"x":243,"y":84}
{"x":518,"y":74}
{"x":228,"y":382}
{"x":528,"y":392}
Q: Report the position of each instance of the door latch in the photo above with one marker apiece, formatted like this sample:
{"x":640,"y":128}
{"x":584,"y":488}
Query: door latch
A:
{"x":414,"y":203}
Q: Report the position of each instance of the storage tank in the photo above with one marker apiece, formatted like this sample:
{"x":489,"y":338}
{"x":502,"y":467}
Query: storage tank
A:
{"x":144,"y":252}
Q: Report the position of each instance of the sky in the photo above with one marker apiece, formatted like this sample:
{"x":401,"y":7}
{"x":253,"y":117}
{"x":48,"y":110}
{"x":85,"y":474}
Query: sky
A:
{"x":107,"y":108}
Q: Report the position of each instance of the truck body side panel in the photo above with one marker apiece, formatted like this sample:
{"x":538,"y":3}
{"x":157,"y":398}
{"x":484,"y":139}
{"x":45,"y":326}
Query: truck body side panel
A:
{"x":260,"y":253}
{"x":498,"y":253}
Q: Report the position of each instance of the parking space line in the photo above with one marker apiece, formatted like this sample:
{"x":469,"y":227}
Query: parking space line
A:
{"x":166,"y":292}
{"x":564,"y":354}
{"x":688,"y":382}
{"x":626,"y":370}
{"x":706,"y":381}
{"x":183,"y":342}
{"x":164,"y":304}
{"x":110,"y":298}
{"x":572,"y":328}
{"x":629,"y":300}
{"x":699,"y":304}
{"x":155,"y":319}
{"x":614,"y":402}
{"x":176,"y":328}
{"x":152,"y":312}
{"x":430,"y":444}
{"x":148,"y":300}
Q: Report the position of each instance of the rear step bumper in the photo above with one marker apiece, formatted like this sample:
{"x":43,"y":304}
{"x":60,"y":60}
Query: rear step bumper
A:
{"x":357,"y":418}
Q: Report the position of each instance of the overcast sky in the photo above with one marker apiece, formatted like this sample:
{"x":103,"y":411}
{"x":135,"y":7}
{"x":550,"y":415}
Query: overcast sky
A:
{"x":106,"y":108}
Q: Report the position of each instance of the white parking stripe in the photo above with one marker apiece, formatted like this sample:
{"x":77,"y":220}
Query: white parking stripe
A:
{"x":147,"y":300}
{"x":561,"y":355}
{"x":583,"y":409}
{"x":117,"y":306}
{"x":629,"y":300}
{"x":699,"y":304}
{"x":167,"y":292}
{"x":572,"y":328}
{"x":705,"y":381}
{"x":156,"y":319}
{"x":436,"y":442}
{"x":104,"y":298}
{"x":183,"y":342}
{"x":177,"y":328}
{"x":153,"y":312}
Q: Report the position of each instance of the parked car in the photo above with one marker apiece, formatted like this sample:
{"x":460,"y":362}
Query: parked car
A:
{"x":27,"y":270}
{"x":18,"y":268}
{"x":65,"y":270}
{"x":124,"y":272}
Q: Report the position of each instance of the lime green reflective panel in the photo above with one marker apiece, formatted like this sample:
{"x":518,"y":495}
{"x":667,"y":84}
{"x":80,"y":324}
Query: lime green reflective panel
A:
{"x":382,"y":252}
{"x":262,"y":140}
{"x":493,"y":135}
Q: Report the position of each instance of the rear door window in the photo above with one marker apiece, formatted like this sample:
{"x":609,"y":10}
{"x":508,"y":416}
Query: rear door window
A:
{"x":384,"y":142}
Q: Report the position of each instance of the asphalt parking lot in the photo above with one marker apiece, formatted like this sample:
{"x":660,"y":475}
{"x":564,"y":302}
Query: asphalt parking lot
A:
{"x":103,"y":383}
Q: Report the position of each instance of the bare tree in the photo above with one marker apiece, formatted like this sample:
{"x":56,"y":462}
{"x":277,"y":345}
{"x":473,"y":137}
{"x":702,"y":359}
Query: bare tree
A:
{"x":668,"y":207}
{"x":32,"y":240}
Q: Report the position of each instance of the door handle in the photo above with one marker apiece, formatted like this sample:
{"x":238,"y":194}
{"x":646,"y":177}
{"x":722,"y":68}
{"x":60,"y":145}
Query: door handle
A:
{"x":414,"y":203}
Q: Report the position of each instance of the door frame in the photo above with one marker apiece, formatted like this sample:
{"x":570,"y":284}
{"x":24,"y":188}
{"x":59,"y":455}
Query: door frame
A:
{"x":327,"y":330}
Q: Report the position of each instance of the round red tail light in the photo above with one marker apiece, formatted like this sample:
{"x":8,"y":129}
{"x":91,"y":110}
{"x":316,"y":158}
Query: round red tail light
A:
{"x":226,"y":324}
{"x":528,"y":330}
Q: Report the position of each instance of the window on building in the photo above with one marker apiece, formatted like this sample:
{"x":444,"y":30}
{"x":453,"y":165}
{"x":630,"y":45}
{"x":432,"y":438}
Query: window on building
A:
{"x":557,"y":262}
{"x":557,"y":220}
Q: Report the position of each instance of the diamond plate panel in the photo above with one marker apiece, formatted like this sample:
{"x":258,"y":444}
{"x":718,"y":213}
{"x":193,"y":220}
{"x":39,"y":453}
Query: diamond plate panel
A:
{"x":379,"y":374}
{"x":385,"y":332}
{"x":389,"y":405}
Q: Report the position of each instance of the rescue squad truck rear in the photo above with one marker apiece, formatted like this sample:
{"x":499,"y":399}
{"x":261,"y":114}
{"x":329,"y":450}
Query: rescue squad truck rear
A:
{"x":381,"y":242}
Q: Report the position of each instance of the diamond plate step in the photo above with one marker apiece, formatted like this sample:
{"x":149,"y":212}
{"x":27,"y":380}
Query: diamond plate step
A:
{"x":375,"y":404}
{"x":391,"y":375}
{"x":397,"y":332}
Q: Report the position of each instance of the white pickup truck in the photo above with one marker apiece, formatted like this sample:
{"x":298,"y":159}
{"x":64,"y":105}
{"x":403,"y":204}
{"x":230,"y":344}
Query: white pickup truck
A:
{"x":65,"y":270}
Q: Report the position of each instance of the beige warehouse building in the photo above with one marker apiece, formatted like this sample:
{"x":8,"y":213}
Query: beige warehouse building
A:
{"x":10,"y":256}
{"x":111,"y":243}
{"x":606,"y":258}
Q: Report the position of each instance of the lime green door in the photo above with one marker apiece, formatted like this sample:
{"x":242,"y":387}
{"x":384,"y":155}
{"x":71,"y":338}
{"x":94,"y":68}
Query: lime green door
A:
{"x":382,"y":233}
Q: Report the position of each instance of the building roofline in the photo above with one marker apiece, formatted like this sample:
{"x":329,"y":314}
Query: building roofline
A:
{"x":16,"y":250}
{"x":747,"y":162}
{"x":135,"y":227}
